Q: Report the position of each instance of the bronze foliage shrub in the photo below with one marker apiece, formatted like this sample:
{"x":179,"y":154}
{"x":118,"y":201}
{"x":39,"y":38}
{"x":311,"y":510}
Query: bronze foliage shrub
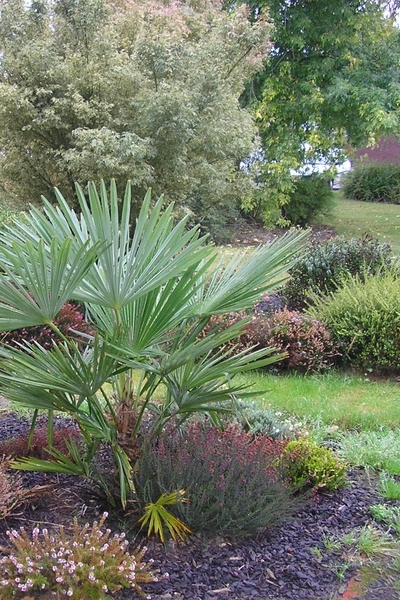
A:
{"x":306,"y":341}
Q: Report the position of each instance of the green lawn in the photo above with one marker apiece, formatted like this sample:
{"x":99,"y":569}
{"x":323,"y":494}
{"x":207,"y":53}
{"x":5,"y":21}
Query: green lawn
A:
{"x":349,"y":401}
{"x":353,"y":218}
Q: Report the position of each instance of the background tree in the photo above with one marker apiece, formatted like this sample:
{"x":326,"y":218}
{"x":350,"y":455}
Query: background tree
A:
{"x":331,"y":82}
{"x":137,"y":90}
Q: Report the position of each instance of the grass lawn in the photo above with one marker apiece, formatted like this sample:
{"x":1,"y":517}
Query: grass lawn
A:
{"x":336,"y":398}
{"x":353,"y":218}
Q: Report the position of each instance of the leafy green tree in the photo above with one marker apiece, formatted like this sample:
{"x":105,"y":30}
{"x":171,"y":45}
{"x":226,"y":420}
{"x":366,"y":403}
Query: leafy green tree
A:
{"x":146,"y":91}
{"x":331,"y":82}
{"x":148,"y":299}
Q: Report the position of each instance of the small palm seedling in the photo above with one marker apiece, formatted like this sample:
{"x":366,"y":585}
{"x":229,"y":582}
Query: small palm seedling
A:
{"x":156,"y":517}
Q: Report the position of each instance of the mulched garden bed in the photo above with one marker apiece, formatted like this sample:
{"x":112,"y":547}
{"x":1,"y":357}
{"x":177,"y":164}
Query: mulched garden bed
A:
{"x":289,"y":562}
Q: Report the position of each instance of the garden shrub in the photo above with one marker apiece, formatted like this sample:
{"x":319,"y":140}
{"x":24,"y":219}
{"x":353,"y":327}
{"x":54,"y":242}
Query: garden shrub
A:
{"x":69,"y":321}
{"x":310,"y":196}
{"x":373,"y":182}
{"x":88,"y":564}
{"x":262,"y":421}
{"x":322,"y":268}
{"x":306,"y":342}
{"x":231,"y":478}
{"x":310,"y":466}
{"x":38,"y":447}
{"x":364,"y":319}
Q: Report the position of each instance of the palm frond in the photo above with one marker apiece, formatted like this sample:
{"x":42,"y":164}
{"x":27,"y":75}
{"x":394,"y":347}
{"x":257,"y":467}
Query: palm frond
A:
{"x":37,"y":281}
{"x":240,"y":283}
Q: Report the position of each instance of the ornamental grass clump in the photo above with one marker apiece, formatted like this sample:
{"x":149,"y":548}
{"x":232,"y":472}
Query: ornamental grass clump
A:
{"x":231,"y":479}
{"x":89,"y":564}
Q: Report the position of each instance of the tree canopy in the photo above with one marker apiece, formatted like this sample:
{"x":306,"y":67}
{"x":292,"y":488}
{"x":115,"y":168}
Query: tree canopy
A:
{"x":331,"y":82}
{"x":142,"y":90}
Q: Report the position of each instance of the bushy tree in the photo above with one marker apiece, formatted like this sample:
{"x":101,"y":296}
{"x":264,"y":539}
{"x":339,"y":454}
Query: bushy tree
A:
{"x":146,"y":91}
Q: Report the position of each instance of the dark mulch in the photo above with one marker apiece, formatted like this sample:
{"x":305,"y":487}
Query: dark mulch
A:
{"x":253,"y":234}
{"x":289,"y":562}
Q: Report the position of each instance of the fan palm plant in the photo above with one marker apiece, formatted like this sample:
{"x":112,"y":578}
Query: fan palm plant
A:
{"x":148,"y":294}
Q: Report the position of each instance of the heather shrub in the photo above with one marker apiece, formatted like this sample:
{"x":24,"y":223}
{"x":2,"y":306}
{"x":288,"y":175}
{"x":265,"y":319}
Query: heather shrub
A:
{"x":88,"y":564}
{"x":373,"y":182}
{"x":364,"y":319}
{"x":311,"y":195}
{"x":231,"y":478}
{"x":322,"y":268}
{"x":309,"y":466}
{"x":69,"y":321}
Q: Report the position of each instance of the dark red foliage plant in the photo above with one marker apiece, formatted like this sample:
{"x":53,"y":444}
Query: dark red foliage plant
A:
{"x":307,"y":343}
{"x":18,"y":446}
{"x":232,"y":479}
{"x":70,"y":322}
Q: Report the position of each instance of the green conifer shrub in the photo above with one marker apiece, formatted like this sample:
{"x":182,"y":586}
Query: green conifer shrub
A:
{"x":364,"y":319}
{"x":309,"y":466}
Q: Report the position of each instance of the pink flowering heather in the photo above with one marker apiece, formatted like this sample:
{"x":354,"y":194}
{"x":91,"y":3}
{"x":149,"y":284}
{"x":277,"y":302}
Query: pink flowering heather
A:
{"x":232,"y":479}
{"x":90,"y":564}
